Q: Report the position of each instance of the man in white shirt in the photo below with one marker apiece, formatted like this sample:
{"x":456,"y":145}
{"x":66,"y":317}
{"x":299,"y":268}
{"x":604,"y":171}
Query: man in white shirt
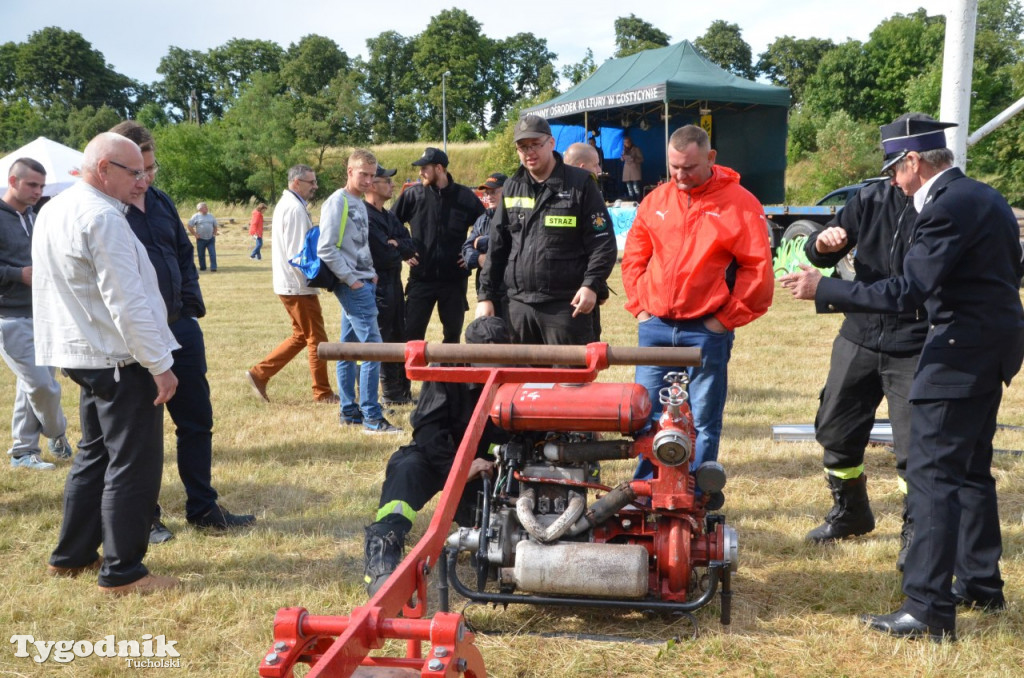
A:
{"x":100,"y":317}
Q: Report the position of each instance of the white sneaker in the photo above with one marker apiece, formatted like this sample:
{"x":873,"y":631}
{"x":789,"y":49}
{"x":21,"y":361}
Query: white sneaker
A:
{"x":31,"y":461}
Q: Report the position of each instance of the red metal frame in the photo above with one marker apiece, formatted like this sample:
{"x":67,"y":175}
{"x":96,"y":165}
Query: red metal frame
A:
{"x":337,"y":646}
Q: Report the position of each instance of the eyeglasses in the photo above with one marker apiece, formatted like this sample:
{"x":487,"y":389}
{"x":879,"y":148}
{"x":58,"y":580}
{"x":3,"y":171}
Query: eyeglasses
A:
{"x":138,"y":174}
{"x":531,"y":148}
{"x":152,"y":169}
{"x":308,"y":181}
{"x":895,"y":167}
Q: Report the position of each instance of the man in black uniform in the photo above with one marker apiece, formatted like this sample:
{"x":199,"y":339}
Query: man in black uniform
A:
{"x":154,"y":220}
{"x":440,"y":212}
{"x":390,"y":244}
{"x":874,"y":356}
{"x":964,"y":266}
{"x":418,"y":471}
{"x":551,"y":243}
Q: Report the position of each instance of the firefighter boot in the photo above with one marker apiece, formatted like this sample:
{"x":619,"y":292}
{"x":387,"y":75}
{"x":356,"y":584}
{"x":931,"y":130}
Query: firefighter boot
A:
{"x":851,"y":513}
{"x":906,"y":536}
{"x":385,"y":544}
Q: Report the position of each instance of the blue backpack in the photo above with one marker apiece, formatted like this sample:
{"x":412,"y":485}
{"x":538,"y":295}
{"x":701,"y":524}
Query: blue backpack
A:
{"x":309,"y":263}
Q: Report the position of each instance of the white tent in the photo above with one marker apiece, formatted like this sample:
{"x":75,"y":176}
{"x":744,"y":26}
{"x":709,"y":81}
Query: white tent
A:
{"x":63,"y":165}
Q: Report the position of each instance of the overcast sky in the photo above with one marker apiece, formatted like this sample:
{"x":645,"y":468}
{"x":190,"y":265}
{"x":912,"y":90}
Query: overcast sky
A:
{"x":569,"y":27}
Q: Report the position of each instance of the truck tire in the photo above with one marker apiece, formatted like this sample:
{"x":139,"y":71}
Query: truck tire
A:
{"x":801,"y":228}
{"x":844,"y":267}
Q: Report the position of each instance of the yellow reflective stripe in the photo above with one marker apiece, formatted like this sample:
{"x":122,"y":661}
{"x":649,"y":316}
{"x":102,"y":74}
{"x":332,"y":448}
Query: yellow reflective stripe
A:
{"x":493,"y":448}
{"x":901,"y":483}
{"x":523,"y":201}
{"x":396,"y":506}
{"x":559,"y":222}
{"x":846,"y":473}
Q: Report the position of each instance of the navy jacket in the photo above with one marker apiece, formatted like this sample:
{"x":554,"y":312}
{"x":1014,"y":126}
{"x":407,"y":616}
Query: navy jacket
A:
{"x":964,"y":265}
{"x":385,"y":226}
{"x":161,"y":232}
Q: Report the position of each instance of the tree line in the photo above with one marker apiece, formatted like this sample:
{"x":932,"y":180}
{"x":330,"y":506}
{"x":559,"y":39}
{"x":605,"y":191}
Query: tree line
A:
{"x":230,"y":120}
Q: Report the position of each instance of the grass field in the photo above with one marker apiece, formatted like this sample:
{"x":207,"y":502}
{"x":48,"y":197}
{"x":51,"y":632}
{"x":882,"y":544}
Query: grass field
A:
{"x":314,"y":485}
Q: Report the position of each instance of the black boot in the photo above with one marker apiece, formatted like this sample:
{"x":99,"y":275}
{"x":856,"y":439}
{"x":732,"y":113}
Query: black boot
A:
{"x":851,"y":512}
{"x":906,"y":536}
{"x":385,"y":544}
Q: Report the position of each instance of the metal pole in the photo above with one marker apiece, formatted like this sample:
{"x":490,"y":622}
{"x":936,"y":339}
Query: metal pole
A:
{"x":444,"y":112}
{"x":957,"y":64}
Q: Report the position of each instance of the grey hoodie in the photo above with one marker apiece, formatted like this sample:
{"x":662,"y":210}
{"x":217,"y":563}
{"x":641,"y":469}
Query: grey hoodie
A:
{"x":15,"y":254}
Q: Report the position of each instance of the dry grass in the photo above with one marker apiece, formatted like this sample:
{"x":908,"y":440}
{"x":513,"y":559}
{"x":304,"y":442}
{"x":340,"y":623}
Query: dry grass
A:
{"x":314,"y":485}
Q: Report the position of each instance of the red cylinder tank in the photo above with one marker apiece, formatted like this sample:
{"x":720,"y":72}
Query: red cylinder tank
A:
{"x":624,"y":408}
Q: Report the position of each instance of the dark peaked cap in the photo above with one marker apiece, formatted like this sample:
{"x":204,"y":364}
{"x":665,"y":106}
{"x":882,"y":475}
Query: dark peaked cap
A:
{"x":912,"y":132}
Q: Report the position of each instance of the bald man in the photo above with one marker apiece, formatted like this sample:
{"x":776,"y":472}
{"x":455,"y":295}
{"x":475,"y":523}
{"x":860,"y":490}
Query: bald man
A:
{"x":100,"y":317}
{"x":585,"y":156}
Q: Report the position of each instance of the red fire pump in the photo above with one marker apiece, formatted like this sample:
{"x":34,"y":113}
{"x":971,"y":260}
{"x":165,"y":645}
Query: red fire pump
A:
{"x":647,"y":544}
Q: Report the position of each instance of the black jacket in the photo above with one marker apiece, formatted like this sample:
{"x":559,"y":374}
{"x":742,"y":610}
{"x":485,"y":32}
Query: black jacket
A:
{"x":161,"y":232}
{"x":385,"y":226}
{"x":15,"y":254}
{"x":548,"y":240}
{"x":964,"y":266}
{"x":439,"y":220}
{"x":878,"y":220}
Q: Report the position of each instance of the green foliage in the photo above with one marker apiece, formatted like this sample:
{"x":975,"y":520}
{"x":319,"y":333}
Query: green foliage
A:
{"x":847,"y":152}
{"x":462,"y":132}
{"x":790,"y":62}
{"x":633,"y":34}
{"x":193,"y":165}
{"x":233,"y":65}
{"x":724,"y":45}
{"x":803,"y":135}
{"x":389,"y":83}
{"x":519,"y":63}
{"x":581,"y":70}
{"x":187,"y":86}
{"x":86,"y":122}
{"x":310,"y":65}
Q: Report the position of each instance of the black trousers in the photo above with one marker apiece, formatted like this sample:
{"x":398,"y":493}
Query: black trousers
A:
{"x":413,"y":476}
{"x":858,"y":379}
{"x":192,"y":414}
{"x":112,"y":487}
{"x":450,"y":297}
{"x":550,"y":323}
{"x":394,"y":385}
{"x":952,"y":501}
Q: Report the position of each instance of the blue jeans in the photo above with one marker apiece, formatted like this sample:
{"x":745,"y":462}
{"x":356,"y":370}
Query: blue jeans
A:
{"x":255,"y":254}
{"x":708,"y":383}
{"x":359,"y":323}
{"x":202,"y":245}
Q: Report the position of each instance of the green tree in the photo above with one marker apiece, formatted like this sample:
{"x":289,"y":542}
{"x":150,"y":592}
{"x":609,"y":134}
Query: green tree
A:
{"x":20,"y":123}
{"x":335,"y":117}
{"x":193,"y":164}
{"x":789,"y":62}
{"x":311,"y":64}
{"x":389,"y":84}
{"x":452,"y":42}
{"x":633,"y":34}
{"x":233,"y":64}
{"x":58,"y":66}
{"x":259,"y":137}
{"x":724,"y":45}
{"x":581,"y":70}
{"x":86,"y":122}
{"x":187,"y":86}
{"x":517,"y":71}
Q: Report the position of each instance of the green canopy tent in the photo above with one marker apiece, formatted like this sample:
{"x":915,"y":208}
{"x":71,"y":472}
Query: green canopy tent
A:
{"x":653,"y":92}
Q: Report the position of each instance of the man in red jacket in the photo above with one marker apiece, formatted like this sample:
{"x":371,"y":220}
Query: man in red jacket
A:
{"x":696,"y":266}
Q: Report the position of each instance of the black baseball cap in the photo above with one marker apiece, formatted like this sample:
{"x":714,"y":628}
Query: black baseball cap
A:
{"x":432,"y":156}
{"x":496,"y":180}
{"x":381,"y":172}
{"x":532,"y":127}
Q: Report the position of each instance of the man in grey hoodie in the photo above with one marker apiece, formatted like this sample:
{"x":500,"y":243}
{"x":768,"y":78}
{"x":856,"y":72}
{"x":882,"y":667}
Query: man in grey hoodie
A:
{"x":344,"y":247}
{"x":37,"y":407}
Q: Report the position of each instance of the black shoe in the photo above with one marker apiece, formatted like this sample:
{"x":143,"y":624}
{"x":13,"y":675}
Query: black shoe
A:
{"x":991,"y":605}
{"x":382,"y":552}
{"x":158,"y":532}
{"x":221,"y":519}
{"x":904,"y":625}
